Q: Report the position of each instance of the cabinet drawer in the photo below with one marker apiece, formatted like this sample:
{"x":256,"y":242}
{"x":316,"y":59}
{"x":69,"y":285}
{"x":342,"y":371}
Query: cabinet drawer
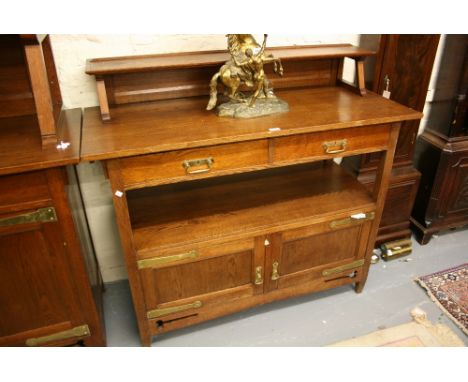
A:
{"x":189,"y":164}
{"x":331,"y":144}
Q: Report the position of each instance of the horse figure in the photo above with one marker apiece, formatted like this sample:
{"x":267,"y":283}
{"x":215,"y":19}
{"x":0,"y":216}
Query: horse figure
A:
{"x":244,"y":68}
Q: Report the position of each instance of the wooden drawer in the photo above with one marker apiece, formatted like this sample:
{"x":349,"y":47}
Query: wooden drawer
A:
{"x":329,"y":144}
{"x":175,"y":166}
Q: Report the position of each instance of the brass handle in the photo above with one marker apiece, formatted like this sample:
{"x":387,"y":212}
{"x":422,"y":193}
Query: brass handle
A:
{"x":258,"y":276}
{"x":189,"y":164}
{"x":328,"y":146}
{"x":274,"y":273}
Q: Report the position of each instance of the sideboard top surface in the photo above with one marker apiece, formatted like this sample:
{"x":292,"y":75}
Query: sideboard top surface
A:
{"x":160,"y":126}
{"x":21,"y":149}
{"x":134,"y":64}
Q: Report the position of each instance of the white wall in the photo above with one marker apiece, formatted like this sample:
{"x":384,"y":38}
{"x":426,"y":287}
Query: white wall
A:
{"x":78,"y":90}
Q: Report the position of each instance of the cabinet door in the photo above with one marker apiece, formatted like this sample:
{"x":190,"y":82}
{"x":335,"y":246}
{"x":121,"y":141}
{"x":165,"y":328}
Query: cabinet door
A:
{"x":320,"y":255}
{"x":181,"y":283}
{"x":37,"y":298}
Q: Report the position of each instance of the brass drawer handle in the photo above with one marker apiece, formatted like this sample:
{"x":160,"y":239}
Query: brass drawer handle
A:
{"x":42,"y":215}
{"x":258,"y":276}
{"x":328,"y":146}
{"x":189,"y":164}
{"x":156,"y":261}
{"x":79,"y":331}
{"x":352,"y":220}
{"x":342,"y":268}
{"x":274,"y":273}
{"x":155,"y":313}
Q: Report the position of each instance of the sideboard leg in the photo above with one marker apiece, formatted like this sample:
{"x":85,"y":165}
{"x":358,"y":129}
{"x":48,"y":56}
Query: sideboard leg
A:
{"x":359,"y":286}
{"x":146,"y":341}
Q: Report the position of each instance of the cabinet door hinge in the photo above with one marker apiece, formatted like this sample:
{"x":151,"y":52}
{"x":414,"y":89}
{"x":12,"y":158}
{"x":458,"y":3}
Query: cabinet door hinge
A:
{"x":155,"y":313}
{"x":42,"y":215}
{"x":76,"y":332}
{"x":342,"y":268}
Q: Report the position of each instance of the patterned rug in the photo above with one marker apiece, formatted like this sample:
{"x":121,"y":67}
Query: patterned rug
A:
{"x":449,"y":290}
{"x":418,"y":333}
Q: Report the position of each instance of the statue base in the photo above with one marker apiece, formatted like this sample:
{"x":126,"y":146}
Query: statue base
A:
{"x":262,"y":107}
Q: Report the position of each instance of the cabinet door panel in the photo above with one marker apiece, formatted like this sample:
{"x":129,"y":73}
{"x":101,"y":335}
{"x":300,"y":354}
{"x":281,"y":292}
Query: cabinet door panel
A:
{"x":303,"y":255}
{"x":308,"y":252}
{"x":202,"y":277}
{"x":35,"y":289}
{"x":217,"y":274}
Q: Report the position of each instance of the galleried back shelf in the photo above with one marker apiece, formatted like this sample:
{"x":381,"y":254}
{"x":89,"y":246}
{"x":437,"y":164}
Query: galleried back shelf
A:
{"x":217,"y":215}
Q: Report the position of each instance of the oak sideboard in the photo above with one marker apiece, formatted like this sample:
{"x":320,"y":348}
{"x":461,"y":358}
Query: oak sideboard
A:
{"x":217,"y":215}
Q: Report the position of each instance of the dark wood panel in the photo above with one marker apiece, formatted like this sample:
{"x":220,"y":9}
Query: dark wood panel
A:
{"x":33,"y":286}
{"x":23,"y":191}
{"x":16,"y":96}
{"x":406,"y":60}
{"x":191,"y":82}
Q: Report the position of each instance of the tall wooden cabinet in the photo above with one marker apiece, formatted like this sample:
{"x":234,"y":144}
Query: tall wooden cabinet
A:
{"x":217,"y":215}
{"x":50,"y":286}
{"x":442,"y":149}
{"x":403,"y":69}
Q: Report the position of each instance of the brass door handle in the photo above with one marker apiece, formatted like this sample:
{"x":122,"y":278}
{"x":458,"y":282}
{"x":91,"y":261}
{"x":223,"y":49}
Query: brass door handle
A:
{"x":274,"y":273}
{"x":258,"y":276}
{"x":339,"y":145}
{"x":189,"y":164}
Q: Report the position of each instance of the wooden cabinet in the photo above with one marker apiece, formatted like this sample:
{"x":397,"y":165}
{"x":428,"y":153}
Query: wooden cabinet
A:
{"x":442,"y":149}
{"x":50,"y":286}
{"x":403,"y":68}
{"x":217,"y":215}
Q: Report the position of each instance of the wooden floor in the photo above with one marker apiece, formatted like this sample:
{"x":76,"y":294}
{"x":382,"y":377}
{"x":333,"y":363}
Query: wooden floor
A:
{"x":316,"y":320}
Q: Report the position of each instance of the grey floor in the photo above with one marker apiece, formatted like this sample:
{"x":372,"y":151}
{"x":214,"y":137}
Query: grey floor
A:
{"x":315,"y":320}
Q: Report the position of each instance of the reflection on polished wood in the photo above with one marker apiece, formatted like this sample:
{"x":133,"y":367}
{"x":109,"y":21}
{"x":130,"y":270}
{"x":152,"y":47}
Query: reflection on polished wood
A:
{"x":184,"y":123}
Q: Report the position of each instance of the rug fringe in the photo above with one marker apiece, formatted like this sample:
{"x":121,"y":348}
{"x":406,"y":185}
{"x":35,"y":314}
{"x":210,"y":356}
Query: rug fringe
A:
{"x":437,"y":302}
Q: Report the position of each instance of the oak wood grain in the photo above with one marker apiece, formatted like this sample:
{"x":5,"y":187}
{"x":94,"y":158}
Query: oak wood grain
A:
{"x":21,"y":147}
{"x":184,"y":123}
{"x":241,"y":206}
{"x":132,"y":64}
